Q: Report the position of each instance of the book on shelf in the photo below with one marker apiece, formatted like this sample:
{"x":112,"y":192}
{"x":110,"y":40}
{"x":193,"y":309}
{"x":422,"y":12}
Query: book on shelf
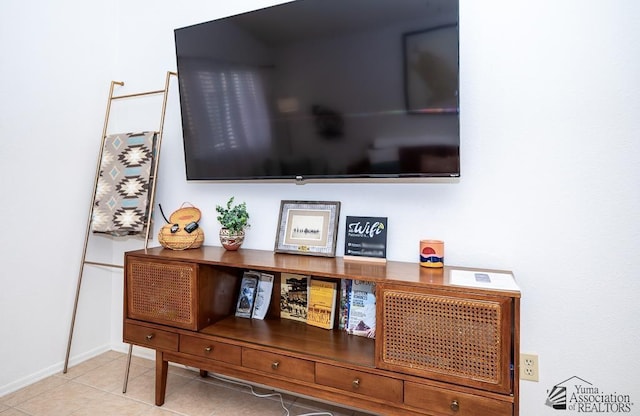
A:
{"x":263,"y":296}
{"x":345,"y":290}
{"x":246,"y":297}
{"x":365,"y":239}
{"x":321,"y":309}
{"x":293,"y":296}
{"x":361,"y":308}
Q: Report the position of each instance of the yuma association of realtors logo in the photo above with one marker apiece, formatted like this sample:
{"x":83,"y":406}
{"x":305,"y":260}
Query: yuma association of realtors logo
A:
{"x":579,"y":395}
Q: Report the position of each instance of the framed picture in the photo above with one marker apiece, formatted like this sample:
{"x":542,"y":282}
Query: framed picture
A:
{"x":431,"y":70}
{"x":308,"y":227}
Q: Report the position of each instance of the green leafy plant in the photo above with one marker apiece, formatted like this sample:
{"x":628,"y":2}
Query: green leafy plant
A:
{"x":233,"y":217}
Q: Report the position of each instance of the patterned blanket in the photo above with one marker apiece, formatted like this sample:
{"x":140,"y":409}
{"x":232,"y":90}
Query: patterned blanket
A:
{"x":121,"y":205}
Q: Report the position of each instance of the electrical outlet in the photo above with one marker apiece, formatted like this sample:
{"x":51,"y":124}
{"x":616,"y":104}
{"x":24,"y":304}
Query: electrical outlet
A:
{"x":529,"y":367}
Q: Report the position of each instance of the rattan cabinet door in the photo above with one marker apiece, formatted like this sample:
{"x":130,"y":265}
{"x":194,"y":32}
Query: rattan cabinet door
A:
{"x":462,"y":338}
{"x":161,"y":292}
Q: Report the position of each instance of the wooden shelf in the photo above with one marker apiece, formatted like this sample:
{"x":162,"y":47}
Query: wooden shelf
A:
{"x":297,"y":337}
{"x":411,"y":274}
{"x":439,"y":347}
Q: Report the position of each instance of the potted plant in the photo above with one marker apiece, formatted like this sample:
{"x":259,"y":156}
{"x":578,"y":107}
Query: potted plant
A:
{"x":234,"y":219}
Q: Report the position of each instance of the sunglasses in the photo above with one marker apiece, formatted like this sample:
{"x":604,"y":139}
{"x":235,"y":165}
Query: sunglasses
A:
{"x":191,"y":227}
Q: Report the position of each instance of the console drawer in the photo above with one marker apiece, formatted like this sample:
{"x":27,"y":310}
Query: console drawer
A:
{"x":281,"y":365}
{"x":209,"y":349}
{"x":447,"y":402}
{"x":150,"y":337}
{"x":372,"y":385}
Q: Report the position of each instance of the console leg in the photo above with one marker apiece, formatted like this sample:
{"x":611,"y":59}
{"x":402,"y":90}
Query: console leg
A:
{"x":126,"y":372}
{"x":203,"y":373}
{"x":162,"y":367}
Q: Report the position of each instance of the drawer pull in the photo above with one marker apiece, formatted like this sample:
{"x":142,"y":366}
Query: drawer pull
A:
{"x":355,"y":383}
{"x":150,"y":337}
{"x":275,"y":365}
{"x":455,"y":406}
{"x":208,"y":349}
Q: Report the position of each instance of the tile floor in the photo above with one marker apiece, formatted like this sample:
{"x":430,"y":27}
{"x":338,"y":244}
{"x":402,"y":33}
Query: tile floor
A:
{"x":94,"y":388}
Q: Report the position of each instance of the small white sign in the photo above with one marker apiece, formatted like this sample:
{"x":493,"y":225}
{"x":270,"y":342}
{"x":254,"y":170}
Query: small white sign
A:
{"x":483,"y":279}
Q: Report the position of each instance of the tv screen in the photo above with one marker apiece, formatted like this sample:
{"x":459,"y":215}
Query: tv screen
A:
{"x":322,"y":89}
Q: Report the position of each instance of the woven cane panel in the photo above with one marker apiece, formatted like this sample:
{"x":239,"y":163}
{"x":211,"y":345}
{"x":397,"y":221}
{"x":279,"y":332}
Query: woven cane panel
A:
{"x":162,"y":293}
{"x":459,"y":337}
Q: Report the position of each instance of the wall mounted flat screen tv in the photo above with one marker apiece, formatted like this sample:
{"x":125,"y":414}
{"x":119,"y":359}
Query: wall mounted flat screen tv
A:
{"x":322,"y":89}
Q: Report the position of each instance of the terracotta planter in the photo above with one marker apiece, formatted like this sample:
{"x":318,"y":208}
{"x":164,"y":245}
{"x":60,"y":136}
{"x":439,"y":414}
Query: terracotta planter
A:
{"x":231,"y":240}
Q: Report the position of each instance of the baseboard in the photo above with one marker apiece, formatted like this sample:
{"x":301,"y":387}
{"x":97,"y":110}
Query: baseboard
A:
{"x":75,"y":360}
{"x":49,"y":371}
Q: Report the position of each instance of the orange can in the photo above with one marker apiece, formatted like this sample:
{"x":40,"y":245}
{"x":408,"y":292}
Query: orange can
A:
{"x":431,"y":253}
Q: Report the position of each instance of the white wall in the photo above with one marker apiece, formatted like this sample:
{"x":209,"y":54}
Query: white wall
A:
{"x":549,"y":187}
{"x":57,"y":58}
